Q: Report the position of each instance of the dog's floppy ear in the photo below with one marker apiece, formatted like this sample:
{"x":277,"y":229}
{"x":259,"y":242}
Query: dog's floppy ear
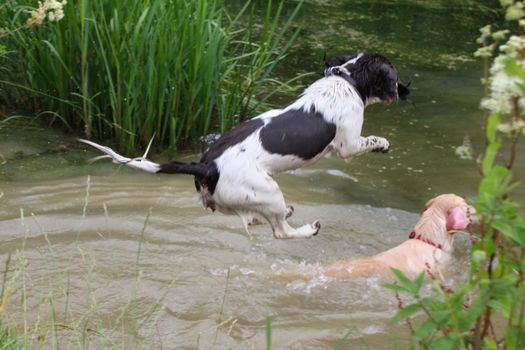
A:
{"x":428,"y":204}
{"x":336,"y":60}
{"x":403,"y":91}
{"x":456,"y":219}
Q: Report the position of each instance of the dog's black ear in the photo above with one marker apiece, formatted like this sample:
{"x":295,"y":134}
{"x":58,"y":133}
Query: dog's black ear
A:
{"x":403,"y":91}
{"x":336,"y":60}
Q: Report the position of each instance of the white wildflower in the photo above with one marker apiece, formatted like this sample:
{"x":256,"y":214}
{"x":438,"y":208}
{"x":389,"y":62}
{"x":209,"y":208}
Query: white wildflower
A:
{"x":37,"y":17}
{"x":55,"y":10}
{"x":504,"y":88}
{"x":515,"y":12}
{"x":486,"y":30}
{"x":485,"y":33}
{"x":514,"y":47}
{"x":500,"y":34}
{"x":514,"y":127}
{"x":464,"y":152}
{"x":484,"y":52}
{"x":52,"y":9}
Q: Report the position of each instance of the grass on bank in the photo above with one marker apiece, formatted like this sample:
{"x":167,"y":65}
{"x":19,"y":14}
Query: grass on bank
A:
{"x":129,"y":70}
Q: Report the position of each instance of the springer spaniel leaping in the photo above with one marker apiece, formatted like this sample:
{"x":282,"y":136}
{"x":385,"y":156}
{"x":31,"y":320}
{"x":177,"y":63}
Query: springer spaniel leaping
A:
{"x":234,"y":176}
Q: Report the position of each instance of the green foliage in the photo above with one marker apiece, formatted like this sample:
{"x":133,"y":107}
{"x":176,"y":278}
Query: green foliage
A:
{"x":7,"y":341}
{"x":268,"y":331}
{"x":488,"y":310}
{"x":129,"y":70}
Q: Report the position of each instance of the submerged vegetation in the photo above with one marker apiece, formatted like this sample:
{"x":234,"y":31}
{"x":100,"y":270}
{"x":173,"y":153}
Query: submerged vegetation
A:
{"x":59,"y":322}
{"x":168,"y":68}
{"x":487,"y":312}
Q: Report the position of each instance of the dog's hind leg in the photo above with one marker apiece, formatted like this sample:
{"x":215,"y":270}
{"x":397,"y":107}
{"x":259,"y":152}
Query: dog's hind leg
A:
{"x":276,"y":212}
{"x":255,"y":191}
{"x":281,"y":229}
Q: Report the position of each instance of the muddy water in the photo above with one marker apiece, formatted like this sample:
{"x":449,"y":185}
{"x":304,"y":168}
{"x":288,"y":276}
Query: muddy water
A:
{"x":127,"y":259}
{"x":143,"y":263}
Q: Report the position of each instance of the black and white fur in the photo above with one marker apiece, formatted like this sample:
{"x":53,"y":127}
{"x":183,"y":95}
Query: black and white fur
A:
{"x":235,"y":175}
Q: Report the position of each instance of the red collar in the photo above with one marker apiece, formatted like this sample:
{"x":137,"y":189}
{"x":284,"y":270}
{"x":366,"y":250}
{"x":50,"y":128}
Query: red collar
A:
{"x":423,"y":239}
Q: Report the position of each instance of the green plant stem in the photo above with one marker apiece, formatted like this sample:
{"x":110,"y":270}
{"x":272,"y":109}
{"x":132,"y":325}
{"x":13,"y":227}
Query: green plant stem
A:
{"x":141,"y":240}
{"x":487,"y":316}
{"x":222,"y":308}
{"x":268,"y":332}
{"x":5,"y":4}
{"x":518,"y":283}
{"x":514,"y":138}
{"x":12,"y":31}
{"x":4,"y":277}
{"x":477,"y":335}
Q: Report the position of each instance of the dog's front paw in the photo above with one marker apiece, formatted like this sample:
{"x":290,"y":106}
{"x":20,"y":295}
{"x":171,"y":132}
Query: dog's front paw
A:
{"x":382,"y":145}
{"x":316,"y":226}
{"x":289,"y":211}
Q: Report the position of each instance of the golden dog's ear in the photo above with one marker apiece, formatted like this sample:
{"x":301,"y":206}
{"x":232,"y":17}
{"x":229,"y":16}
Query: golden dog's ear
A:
{"x":428,"y":204}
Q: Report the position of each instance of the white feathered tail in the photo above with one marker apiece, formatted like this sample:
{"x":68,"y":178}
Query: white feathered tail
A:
{"x":139,"y":163}
{"x":172,"y":167}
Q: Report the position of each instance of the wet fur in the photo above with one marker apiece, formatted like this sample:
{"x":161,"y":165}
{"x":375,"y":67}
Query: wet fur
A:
{"x":412,"y":256}
{"x":235,"y":175}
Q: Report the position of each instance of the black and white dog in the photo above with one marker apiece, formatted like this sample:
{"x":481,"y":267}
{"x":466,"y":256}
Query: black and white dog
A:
{"x":234,"y":176}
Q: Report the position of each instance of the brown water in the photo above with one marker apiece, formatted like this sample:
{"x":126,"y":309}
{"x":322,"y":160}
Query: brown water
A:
{"x":81,"y":236}
{"x":127,"y":259}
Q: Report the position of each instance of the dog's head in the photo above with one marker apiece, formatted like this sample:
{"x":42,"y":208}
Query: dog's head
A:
{"x":459,"y":214}
{"x":375,"y":77}
{"x":442,"y":217}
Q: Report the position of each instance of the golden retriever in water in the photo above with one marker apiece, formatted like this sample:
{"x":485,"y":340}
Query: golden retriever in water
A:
{"x":429,"y":245}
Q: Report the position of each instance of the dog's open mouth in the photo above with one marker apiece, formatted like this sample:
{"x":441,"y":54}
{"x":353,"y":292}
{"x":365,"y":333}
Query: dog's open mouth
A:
{"x":389,"y":100}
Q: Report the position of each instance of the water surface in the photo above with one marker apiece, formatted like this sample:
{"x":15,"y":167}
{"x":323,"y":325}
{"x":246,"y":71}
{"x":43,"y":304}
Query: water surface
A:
{"x":131,"y":259}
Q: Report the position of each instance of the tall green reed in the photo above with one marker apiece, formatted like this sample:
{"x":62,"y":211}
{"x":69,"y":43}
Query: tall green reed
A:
{"x":129,"y":70}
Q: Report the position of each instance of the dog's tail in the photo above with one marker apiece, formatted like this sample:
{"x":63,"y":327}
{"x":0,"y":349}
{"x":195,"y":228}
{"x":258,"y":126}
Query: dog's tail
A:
{"x":173,"y":167}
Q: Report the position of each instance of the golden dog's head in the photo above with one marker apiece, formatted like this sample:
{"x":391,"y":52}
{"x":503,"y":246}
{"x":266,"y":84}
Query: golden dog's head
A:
{"x":458,"y":213}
